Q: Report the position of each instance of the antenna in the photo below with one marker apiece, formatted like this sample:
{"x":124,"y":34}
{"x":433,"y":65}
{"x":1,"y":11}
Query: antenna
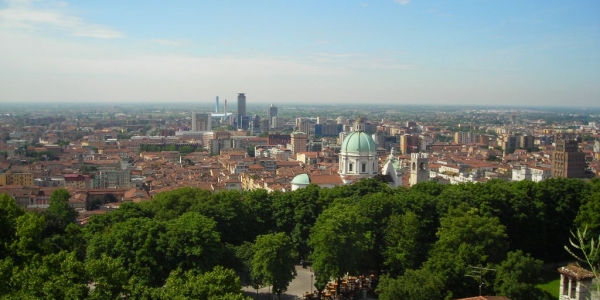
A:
{"x":478,"y":274}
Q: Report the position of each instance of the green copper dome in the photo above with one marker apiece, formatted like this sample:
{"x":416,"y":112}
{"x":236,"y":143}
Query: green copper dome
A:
{"x":301,"y":179}
{"x":358,"y":141}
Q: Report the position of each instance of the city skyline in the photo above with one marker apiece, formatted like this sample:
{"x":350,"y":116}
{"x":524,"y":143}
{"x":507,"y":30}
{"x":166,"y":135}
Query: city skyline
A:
{"x":389,"y":52}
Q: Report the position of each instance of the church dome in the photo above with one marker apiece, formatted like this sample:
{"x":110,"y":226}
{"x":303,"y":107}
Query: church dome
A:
{"x":358,"y":141}
{"x":301,"y":179}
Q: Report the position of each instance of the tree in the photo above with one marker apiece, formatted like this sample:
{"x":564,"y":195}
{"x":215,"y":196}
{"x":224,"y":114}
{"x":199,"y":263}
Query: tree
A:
{"x":296,"y":212}
{"x":230,"y":213}
{"x":258,"y":206}
{"x":191,"y":242}
{"x":466,"y":239}
{"x":55,"y":276}
{"x":218,"y":284}
{"x":244,"y":254}
{"x":186,"y":149}
{"x":563,"y":198}
{"x":517,"y":276}
{"x":339,"y":240}
{"x":136,"y":244}
{"x":589,"y":215}
{"x":172,"y":204}
{"x":28,"y":235}
{"x":9,"y":212}
{"x":377,"y":208}
{"x":413,"y":285}
{"x":108,"y":276}
{"x":402,"y":241}
{"x":59,"y":214}
{"x":274,"y":261}
{"x":99,"y":223}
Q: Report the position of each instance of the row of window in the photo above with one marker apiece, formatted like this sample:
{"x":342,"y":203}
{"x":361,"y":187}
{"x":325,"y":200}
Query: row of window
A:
{"x":363,"y":167}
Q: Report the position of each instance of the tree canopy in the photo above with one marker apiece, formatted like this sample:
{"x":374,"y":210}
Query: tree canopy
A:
{"x":425,"y":240}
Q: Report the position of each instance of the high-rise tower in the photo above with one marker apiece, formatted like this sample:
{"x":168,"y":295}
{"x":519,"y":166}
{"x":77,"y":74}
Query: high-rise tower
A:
{"x":272,"y":113}
{"x":194,"y":128}
{"x":241,"y":104}
{"x":217,"y":105}
{"x":242,"y":120}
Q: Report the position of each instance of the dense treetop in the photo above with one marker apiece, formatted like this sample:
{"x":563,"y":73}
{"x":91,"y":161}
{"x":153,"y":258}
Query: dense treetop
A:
{"x":189,"y":243}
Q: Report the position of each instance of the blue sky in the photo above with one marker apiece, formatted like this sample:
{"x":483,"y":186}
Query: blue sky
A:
{"x":403,"y":52}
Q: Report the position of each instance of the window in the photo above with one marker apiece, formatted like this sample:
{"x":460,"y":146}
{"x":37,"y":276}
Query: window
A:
{"x":364,"y":168}
{"x":350,"y":167}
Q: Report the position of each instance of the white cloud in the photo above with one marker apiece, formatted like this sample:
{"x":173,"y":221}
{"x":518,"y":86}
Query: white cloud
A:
{"x":403,"y":2}
{"x":23,"y":14}
{"x":72,"y":71}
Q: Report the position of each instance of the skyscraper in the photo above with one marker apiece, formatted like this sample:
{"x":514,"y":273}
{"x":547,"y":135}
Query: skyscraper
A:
{"x":194,"y":125}
{"x":241,"y":111}
{"x":241,"y":104}
{"x":272,"y":113}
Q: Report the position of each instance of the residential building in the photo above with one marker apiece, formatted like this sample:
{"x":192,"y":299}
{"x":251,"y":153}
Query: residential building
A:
{"x":567,"y":161}
{"x":201,"y":121}
{"x":299,"y":142}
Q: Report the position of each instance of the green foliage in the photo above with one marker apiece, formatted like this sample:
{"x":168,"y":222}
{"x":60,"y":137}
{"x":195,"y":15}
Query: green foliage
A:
{"x":136,"y":244}
{"x":340,"y":240}
{"x":9,"y":212}
{"x":589,"y":215}
{"x":191,"y":242}
{"x":517,"y":276}
{"x":169,"y":205}
{"x":259,"y":210}
{"x":28,"y":235}
{"x":296,"y":212}
{"x":218,"y":284}
{"x":414,"y":285}
{"x":56,"y":276}
{"x":274,"y":261}
{"x":425,"y":237}
{"x":376,"y":208}
{"x":403,"y":246}
{"x":109,"y":277}
{"x":59,"y":214}
{"x":99,"y":223}
{"x":229,"y":211}
{"x":466,"y":239}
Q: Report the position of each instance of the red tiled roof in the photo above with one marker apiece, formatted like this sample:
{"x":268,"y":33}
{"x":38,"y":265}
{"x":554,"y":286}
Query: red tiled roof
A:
{"x":576,"y":271}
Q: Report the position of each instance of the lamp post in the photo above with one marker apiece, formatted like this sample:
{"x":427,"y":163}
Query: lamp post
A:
{"x":311,"y":283}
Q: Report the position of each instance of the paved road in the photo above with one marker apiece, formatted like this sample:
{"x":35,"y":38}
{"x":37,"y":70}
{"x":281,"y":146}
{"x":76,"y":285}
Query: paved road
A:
{"x":296,"y":290}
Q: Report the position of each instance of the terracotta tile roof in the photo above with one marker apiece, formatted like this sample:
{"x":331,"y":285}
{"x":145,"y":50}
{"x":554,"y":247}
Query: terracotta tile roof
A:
{"x":576,"y":271}
{"x":326,"y":179}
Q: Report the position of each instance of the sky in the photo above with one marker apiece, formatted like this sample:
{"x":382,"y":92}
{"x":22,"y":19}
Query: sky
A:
{"x":405,"y":52}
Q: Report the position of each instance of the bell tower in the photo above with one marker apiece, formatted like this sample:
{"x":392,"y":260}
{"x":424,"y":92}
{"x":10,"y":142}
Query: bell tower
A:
{"x":419,"y":168}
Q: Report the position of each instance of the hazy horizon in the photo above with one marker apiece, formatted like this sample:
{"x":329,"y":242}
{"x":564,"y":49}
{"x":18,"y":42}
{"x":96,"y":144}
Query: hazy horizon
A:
{"x":471,"y":53}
